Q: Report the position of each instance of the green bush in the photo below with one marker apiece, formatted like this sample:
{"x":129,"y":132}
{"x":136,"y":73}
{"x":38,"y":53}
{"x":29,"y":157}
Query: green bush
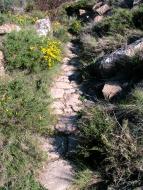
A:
{"x":60,"y":32}
{"x":2,"y":19}
{"x":20,"y":158}
{"x":25,"y":50}
{"x":75,"y":26}
{"x":38,"y":14}
{"x":29,"y":6}
{"x":119,"y":22}
{"x":24,"y":107}
{"x":5,"y":5}
{"x":114,"y":145}
{"x":24,"y":115}
{"x":138,"y":17}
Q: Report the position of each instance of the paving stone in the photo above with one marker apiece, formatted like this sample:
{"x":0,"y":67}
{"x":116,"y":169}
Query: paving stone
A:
{"x":70,"y":91}
{"x":67,"y":123}
{"x":68,"y":73}
{"x":57,"y":93}
{"x":73,"y":99}
{"x":67,"y":68}
{"x":62,"y":79}
{"x":57,"y":175}
{"x":62,"y":85}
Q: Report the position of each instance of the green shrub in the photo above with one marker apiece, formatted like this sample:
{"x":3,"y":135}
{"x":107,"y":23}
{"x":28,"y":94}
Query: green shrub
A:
{"x":38,"y":14}
{"x":25,"y":50}
{"x":20,"y":158}
{"x":96,"y":125}
{"x":60,"y":32}
{"x":83,"y":178}
{"x":5,"y":5}
{"x":2,"y":19}
{"x":138,"y":17}
{"x":114,"y":146}
{"x":24,"y":107}
{"x":24,"y":115}
{"x":75,"y":26}
{"x":118,"y":22}
{"x":21,"y":19}
{"x":29,"y":6}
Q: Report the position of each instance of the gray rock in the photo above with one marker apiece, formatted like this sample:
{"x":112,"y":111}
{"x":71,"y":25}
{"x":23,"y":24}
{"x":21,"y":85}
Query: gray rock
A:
{"x":137,"y":2}
{"x":119,"y":60}
{"x":43,"y":26}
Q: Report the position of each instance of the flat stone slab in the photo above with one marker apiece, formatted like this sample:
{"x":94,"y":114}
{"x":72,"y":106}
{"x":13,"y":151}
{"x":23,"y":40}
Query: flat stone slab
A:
{"x":57,"y":175}
{"x":57,"y":93}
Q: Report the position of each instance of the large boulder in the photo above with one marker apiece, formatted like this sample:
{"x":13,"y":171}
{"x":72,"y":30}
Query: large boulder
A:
{"x":137,"y":2}
{"x":43,"y":26}
{"x":111,"y":90}
{"x":120,"y":60}
{"x":7,"y":28}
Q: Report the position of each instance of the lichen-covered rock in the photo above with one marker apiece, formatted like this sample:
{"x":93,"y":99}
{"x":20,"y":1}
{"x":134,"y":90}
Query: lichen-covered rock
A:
{"x":137,"y":2}
{"x":111,"y":90}
{"x":43,"y":26}
{"x":120,"y":59}
{"x":7,"y":28}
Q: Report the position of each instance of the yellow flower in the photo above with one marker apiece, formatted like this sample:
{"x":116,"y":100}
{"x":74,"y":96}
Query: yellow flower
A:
{"x":52,"y":52}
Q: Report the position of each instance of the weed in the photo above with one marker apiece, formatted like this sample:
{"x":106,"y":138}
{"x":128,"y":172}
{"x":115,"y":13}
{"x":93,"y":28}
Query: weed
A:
{"x":75,"y":26}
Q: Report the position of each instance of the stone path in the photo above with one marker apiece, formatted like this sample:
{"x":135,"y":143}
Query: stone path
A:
{"x":66,"y":94}
{"x":58,"y":173}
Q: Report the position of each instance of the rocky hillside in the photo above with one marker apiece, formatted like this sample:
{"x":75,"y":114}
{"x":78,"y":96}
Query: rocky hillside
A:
{"x":71,"y":95}
{"x":110,"y":35}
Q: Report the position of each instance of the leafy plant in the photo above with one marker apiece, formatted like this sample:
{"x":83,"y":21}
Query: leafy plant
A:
{"x":119,"y":22}
{"x":2,"y":19}
{"x":115,"y":146}
{"x":60,"y":32}
{"x":24,"y":115}
{"x":5,"y":5}
{"x":138,"y":17}
{"x":25,"y":50}
{"x":22,"y":107}
{"x":75,"y":26}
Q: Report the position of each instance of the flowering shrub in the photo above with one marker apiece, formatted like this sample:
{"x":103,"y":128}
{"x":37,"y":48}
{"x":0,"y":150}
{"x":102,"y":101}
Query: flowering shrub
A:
{"x":27,"y":51}
{"x":22,"y":19}
{"x":52,"y":52}
{"x":75,"y":26}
